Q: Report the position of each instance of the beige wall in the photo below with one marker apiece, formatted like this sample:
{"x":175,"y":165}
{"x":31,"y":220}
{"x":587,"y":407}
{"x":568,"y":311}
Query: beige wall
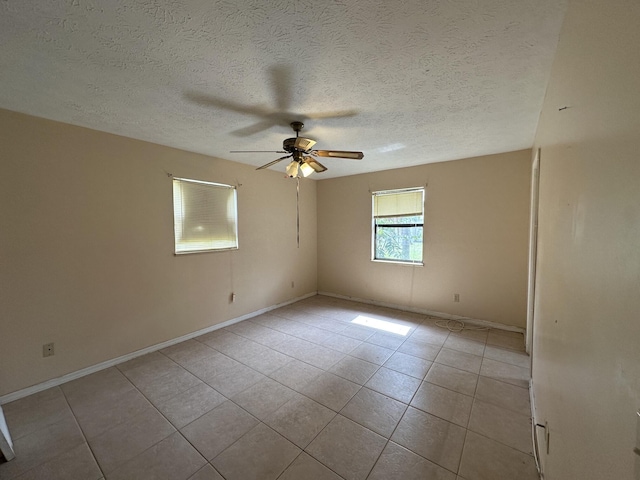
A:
{"x":87,"y":248}
{"x":586,"y":357}
{"x":476,"y":234}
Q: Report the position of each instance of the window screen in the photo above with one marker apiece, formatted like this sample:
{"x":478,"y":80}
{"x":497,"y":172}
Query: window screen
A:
{"x":398,"y":224}
{"x":205,"y":216}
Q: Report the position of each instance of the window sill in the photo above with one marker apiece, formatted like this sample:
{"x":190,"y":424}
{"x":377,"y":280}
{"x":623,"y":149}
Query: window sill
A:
{"x":399,"y":262}
{"x":188,"y":252}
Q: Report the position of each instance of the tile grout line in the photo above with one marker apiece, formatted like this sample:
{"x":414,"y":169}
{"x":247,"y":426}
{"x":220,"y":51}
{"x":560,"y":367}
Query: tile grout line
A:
{"x":261,"y":421}
{"x":75,"y":421}
{"x":86,"y":441}
{"x":346,"y":355}
{"x":161,"y":414}
{"x":154,"y":407}
{"x":336,"y":414}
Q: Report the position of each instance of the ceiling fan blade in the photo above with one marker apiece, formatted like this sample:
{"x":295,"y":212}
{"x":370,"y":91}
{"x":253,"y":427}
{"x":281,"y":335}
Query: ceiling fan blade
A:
{"x":211,"y":101}
{"x":257,"y":151}
{"x":267,"y":165}
{"x":252,"y":129}
{"x":316,"y":165}
{"x":338,"y":154}
{"x":336,"y":114}
{"x":281,"y":76}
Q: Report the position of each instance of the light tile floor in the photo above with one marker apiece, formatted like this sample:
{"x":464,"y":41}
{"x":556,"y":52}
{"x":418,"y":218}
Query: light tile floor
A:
{"x":300,"y":393}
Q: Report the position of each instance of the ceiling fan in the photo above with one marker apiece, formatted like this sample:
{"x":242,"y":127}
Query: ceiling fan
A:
{"x":281,"y":81}
{"x":299,"y":149}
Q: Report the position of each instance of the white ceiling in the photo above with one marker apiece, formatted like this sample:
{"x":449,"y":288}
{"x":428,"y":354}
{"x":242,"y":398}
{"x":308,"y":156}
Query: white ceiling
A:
{"x":415,"y":81}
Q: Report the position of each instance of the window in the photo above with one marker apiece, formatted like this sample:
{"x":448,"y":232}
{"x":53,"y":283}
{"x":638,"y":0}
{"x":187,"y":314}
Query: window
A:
{"x":205,"y":216}
{"x":398,"y":223}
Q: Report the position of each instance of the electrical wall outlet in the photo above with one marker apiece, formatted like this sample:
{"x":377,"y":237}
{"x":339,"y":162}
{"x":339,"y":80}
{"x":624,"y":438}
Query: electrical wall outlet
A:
{"x":292,"y":284}
{"x":47,"y":350}
{"x":233,"y":297}
{"x":456,"y":297}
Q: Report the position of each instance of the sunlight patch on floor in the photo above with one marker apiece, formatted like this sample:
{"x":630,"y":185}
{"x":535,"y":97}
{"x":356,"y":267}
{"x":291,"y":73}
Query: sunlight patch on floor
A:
{"x":381,"y":325}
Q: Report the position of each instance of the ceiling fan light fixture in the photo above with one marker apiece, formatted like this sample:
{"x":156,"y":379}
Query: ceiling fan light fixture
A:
{"x":304,"y":144}
{"x":292,"y":169}
{"x":306,"y":169}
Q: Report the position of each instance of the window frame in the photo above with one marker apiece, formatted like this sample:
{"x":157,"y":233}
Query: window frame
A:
{"x":234,"y":206}
{"x":375,"y":225}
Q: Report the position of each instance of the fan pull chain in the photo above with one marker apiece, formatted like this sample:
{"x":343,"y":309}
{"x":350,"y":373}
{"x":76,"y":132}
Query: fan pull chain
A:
{"x":298,"y":209}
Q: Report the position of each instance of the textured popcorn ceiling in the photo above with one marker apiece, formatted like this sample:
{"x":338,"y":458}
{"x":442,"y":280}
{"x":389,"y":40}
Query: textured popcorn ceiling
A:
{"x":413,"y":81}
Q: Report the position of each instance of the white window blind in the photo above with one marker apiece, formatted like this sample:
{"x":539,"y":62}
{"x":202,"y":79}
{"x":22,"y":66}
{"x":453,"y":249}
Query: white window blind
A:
{"x":398,"y":203}
{"x":205,"y":216}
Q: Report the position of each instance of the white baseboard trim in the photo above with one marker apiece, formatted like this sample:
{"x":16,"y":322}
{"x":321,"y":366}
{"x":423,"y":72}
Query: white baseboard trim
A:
{"x":10,"y":397}
{"x":6,"y":445}
{"x":424,"y":311}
